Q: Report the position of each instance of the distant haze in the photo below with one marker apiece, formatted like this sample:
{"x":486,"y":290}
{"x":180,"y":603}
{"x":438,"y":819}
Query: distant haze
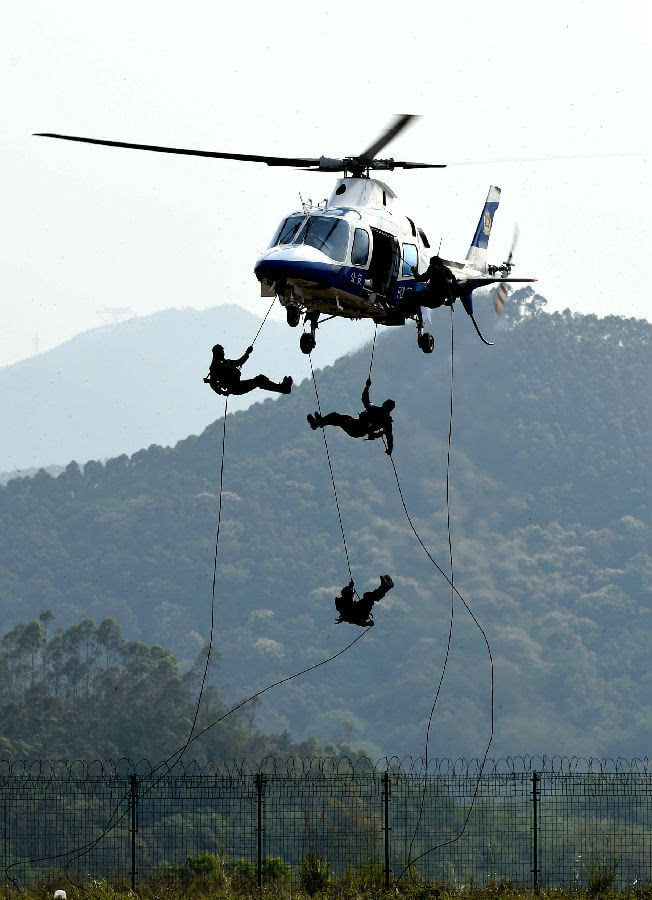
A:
{"x":121,"y":387}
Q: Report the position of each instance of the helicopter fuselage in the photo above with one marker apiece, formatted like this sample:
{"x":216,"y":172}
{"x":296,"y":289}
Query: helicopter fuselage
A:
{"x":356,"y":257}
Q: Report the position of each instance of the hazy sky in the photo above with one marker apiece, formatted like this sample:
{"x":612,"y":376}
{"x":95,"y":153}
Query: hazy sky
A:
{"x":88,"y":227}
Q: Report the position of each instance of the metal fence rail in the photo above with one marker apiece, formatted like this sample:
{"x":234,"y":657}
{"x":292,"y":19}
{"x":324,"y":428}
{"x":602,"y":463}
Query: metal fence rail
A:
{"x":540,"y":827}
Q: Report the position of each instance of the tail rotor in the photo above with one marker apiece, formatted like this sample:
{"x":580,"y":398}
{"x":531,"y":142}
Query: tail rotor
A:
{"x":505,"y":270}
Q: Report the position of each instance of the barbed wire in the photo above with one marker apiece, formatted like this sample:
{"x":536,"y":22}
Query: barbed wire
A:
{"x":302,"y":766}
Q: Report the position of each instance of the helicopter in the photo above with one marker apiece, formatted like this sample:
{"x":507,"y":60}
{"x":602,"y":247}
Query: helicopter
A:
{"x":356,"y":255}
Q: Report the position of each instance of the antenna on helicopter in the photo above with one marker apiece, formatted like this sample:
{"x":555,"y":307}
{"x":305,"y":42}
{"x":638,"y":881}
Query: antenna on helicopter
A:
{"x":306,"y":205}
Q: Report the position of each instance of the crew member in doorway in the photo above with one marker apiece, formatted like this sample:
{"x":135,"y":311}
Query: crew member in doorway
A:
{"x":373,"y":422}
{"x":358,"y":612}
{"x":225,"y":378}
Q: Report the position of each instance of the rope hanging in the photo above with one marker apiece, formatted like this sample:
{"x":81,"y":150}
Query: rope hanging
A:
{"x":330,"y":468}
{"x":454,"y":593}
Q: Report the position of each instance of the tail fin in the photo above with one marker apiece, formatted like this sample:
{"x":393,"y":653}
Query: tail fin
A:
{"x":477,"y":255}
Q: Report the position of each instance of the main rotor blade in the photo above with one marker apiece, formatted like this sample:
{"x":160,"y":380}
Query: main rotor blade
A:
{"x":399,"y":123}
{"x":243,"y":157}
{"x":398,"y":164}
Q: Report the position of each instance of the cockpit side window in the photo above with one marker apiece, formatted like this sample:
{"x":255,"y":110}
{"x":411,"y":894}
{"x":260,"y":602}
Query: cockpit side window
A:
{"x":329,"y":235}
{"x":274,"y":240}
{"x":287,"y":230}
{"x":410,"y":259}
{"x":360,"y":249}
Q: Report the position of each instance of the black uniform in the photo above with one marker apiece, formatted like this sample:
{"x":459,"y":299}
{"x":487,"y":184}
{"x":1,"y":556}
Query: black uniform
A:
{"x":371,"y":423}
{"x":225,"y":378}
{"x":442,"y":284}
{"x":358,"y":612}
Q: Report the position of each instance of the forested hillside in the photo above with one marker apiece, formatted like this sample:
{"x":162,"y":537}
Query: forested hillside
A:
{"x":550,"y":529}
{"x":86,"y":693}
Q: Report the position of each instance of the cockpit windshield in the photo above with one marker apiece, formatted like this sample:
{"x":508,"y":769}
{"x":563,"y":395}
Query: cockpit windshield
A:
{"x":287,"y":230}
{"x":329,"y":235}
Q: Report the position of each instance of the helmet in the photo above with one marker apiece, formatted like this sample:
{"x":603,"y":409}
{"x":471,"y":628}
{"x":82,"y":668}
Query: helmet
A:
{"x":389,"y":405}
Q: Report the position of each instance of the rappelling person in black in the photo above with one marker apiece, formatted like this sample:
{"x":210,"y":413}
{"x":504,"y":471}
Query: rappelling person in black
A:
{"x":442,"y":284}
{"x":225,"y":378}
{"x":358,"y":612}
{"x":373,"y":422}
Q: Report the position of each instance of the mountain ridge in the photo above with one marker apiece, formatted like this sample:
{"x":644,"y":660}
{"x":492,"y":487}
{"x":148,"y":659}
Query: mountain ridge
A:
{"x":118,"y":388}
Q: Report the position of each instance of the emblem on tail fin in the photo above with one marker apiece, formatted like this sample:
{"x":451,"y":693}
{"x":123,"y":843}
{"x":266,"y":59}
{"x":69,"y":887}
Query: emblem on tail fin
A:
{"x":477,"y":255}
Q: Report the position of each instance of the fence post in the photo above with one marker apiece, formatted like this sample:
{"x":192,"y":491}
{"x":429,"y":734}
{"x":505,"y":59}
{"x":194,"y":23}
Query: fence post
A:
{"x":5,"y":833}
{"x":259,"y":830}
{"x":386,"y":825}
{"x":133,"y":800}
{"x":535,"y":831}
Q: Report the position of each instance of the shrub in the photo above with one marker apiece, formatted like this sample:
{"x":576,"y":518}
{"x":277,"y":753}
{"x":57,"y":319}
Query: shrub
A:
{"x":204,"y":867}
{"x":204,"y":863}
{"x":244,"y":876}
{"x":275,"y":869}
{"x":600,"y":874}
{"x":244,"y":869}
{"x":313,"y":873}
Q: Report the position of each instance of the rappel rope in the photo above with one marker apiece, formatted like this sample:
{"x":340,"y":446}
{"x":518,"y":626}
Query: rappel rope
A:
{"x":452,"y":608}
{"x":330,"y":468}
{"x":179,"y":753}
{"x":328,"y":456}
{"x":260,"y":328}
{"x":455,"y":592}
{"x":373,"y":350}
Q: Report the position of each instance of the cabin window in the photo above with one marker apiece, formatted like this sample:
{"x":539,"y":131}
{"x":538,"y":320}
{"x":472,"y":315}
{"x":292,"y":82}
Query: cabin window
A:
{"x":423,"y":237}
{"x":360,"y":249}
{"x":287,"y":230}
{"x":414,"y":231}
{"x":329,"y":235}
{"x":410,"y":259}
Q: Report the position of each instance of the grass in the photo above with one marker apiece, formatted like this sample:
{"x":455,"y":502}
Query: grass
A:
{"x":208,"y":879}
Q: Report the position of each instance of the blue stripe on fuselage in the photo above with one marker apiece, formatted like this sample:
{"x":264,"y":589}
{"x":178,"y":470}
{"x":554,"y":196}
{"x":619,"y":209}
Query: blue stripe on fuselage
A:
{"x":323,"y":275}
{"x":348,"y":279}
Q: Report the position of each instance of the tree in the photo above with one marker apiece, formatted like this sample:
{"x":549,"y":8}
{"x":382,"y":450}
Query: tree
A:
{"x":109,"y":637}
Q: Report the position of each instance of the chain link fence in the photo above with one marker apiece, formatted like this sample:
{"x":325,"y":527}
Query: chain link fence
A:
{"x":536,"y":821}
